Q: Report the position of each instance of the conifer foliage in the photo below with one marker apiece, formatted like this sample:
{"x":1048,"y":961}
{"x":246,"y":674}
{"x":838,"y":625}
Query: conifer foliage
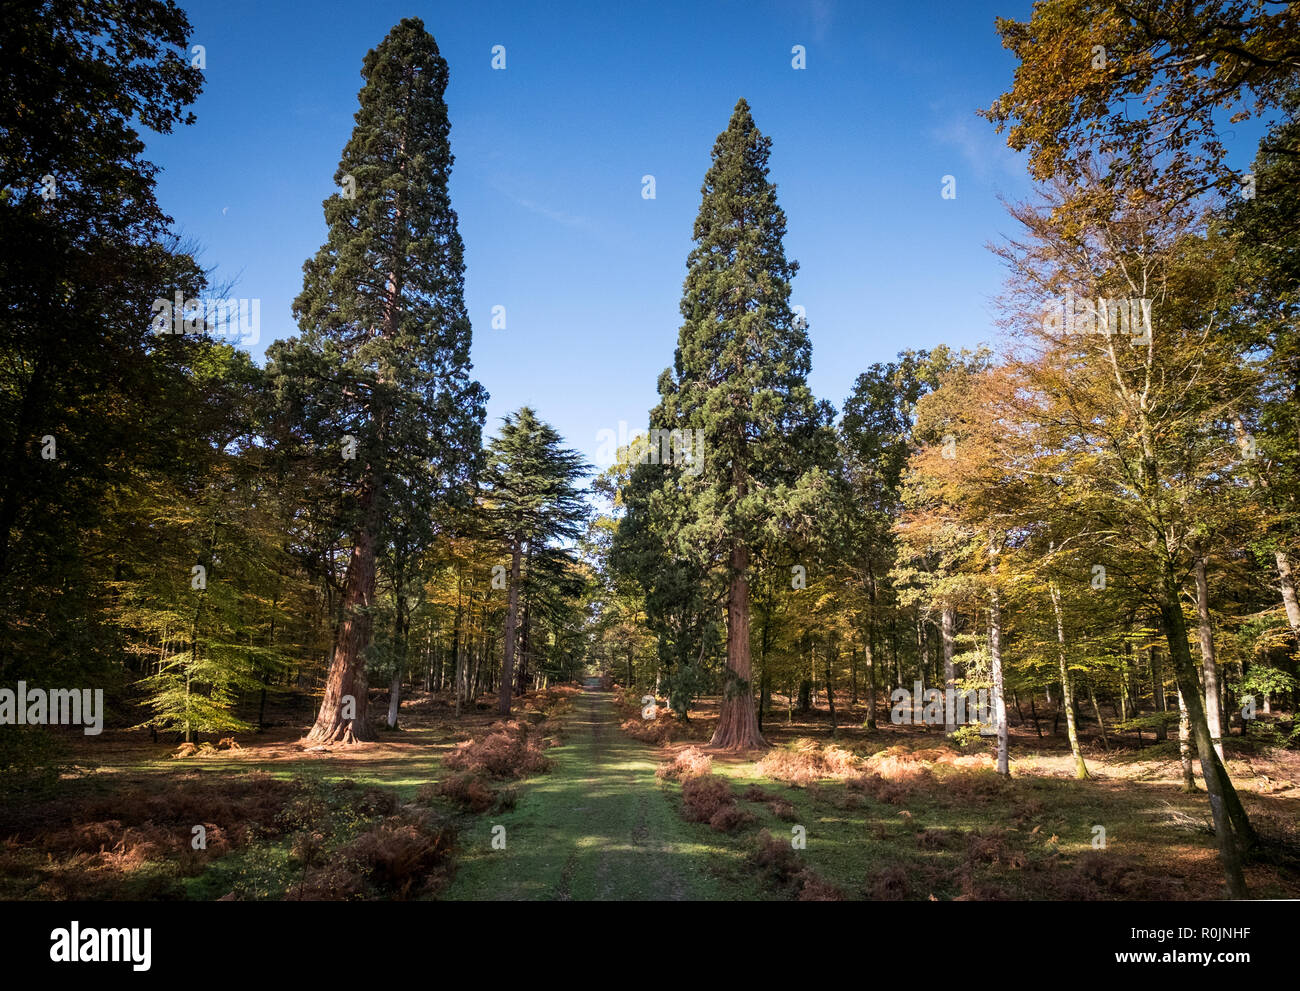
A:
{"x":745,"y":434}
{"x":379,"y":378}
{"x":536,"y":505}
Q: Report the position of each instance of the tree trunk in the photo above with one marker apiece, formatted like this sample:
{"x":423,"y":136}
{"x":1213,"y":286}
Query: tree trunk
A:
{"x":1184,"y":746}
{"x":394,"y":698}
{"x":765,"y":674}
{"x":737,"y":722}
{"x":1209,"y":666}
{"x":830,"y":690}
{"x":1289,"y":599}
{"x":995,"y":654}
{"x":869,"y":662}
{"x":458,"y":652}
{"x":512,"y":619}
{"x":1067,"y":687}
{"x":399,"y":658}
{"x":853,"y":674}
{"x":1229,"y":817}
{"x":347,"y":673}
{"x":893,"y":640}
{"x":1096,"y":709}
{"x":1158,"y":690}
{"x":525,"y":639}
{"x":948,"y":622}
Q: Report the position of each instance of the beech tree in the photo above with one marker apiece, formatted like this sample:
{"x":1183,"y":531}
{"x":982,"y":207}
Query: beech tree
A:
{"x":1133,"y":398}
{"x":90,"y":399}
{"x":1146,"y":83}
{"x":379,"y":378}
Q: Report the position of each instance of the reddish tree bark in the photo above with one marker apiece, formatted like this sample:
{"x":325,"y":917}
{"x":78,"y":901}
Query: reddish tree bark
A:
{"x":347,"y":673}
{"x":737,"y":721}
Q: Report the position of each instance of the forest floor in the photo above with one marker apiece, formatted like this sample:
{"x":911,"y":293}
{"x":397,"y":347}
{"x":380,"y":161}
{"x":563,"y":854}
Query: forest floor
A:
{"x":596,"y":827}
{"x":563,"y":802}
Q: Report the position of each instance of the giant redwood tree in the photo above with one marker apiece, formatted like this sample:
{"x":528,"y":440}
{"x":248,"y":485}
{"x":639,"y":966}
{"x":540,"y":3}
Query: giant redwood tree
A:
{"x":377,"y":387}
{"x":738,"y":428}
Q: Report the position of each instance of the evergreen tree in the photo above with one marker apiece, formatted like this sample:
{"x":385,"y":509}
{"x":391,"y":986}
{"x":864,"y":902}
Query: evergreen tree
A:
{"x":535,"y":504}
{"x":379,"y":378}
{"x":738,"y":385}
{"x":1264,"y":283}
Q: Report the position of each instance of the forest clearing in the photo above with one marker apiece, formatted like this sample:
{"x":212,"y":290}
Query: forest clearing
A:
{"x":458,"y":455}
{"x":887,"y":814}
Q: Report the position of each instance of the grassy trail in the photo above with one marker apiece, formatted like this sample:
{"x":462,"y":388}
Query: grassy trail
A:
{"x":597,"y":827}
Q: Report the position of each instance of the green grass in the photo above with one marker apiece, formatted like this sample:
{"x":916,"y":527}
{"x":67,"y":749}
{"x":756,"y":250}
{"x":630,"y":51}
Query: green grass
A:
{"x":601,"y":826}
{"x":597,"y":826}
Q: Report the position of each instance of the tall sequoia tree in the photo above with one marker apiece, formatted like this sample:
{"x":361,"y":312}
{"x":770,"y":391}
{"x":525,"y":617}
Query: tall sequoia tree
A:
{"x":378,"y":383}
{"x":738,"y":384}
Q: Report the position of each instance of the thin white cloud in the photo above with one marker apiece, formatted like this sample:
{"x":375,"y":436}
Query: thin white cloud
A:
{"x":558,"y":216}
{"x":983,"y":150}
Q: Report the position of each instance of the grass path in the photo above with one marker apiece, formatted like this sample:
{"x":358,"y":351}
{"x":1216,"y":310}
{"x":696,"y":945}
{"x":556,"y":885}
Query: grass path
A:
{"x":596,"y":827}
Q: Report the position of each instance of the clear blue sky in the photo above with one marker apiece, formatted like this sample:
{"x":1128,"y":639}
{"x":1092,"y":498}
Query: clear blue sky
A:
{"x":549,"y":158}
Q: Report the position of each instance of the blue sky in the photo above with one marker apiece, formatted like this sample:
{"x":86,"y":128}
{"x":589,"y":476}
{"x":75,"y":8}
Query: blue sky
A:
{"x":550,"y":153}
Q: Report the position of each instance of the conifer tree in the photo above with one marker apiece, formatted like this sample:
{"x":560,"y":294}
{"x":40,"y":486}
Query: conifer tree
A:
{"x":378,"y":383}
{"x":535,"y":505}
{"x":727,"y":487}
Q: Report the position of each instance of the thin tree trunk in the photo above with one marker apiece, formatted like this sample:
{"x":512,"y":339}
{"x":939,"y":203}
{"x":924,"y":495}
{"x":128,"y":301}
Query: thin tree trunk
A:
{"x":525,"y":639}
{"x":853,"y":674}
{"x":1209,"y":665}
{"x":458,"y":651}
{"x":1158,"y":690}
{"x":512,"y":619}
{"x":765,"y":675}
{"x":399,"y":658}
{"x":869,"y":662}
{"x":1184,"y":746}
{"x":1101,"y":725}
{"x":1067,"y":687}
{"x":830,"y":688}
{"x":995,"y":653}
{"x":1286,"y":579}
{"x":898,"y":665}
{"x":948,"y":624}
